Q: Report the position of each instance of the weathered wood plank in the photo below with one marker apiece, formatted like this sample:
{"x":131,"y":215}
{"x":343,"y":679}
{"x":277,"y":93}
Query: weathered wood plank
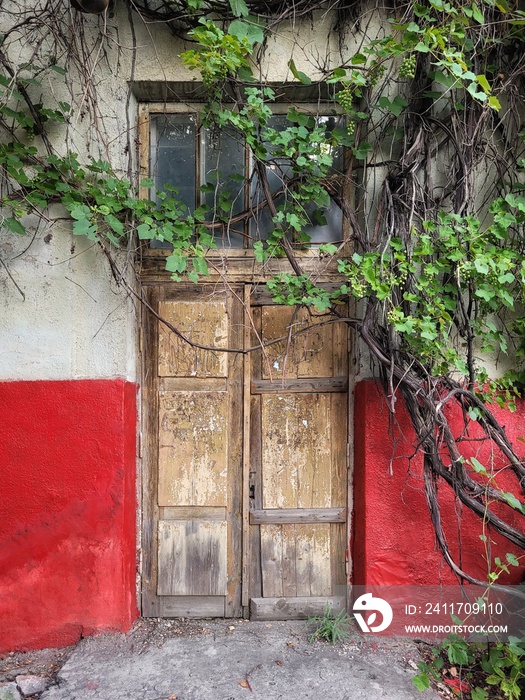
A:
{"x":234,"y":476}
{"x":338,"y":534}
{"x":192,"y":557}
{"x":203,"y":322}
{"x":193,"y":448}
{"x":255,"y":479}
{"x":262,"y":296}
{"x":291,"y":561}
{"x":296,"y":465}
{"x":246,"y":549}
{"x":298,"y":608}
{"x":150,"y":603}
{"x":209,"y":384}
{"x":306,"y":386}
{"x":241,"y":267}
{"x":313,"y":559}
{"x":208,"y":513}
{"x":272,"y":560}
{"x":149,"y":403}
{"x":195,"y":607}
{"x":297,"y":515}
{"x":338,"y":440}
{"x":339,"y":544}
{"x":143,"y":160}
{"x":255,"y":455}
{"x":340,"y":341}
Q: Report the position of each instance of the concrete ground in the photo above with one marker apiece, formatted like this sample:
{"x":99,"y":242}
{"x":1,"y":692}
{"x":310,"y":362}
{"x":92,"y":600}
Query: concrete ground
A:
{"x":234,"y":660}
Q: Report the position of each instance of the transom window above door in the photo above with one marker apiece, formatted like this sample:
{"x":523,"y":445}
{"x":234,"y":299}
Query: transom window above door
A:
{"x":217,"y":179}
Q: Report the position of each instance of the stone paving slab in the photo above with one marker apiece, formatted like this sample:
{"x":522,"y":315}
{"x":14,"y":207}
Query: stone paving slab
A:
{"x":238,"y":660}
{"x":9,"y":691}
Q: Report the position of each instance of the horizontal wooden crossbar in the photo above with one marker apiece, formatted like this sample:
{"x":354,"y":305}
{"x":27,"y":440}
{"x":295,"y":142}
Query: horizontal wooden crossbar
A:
{"x":281,"y":516}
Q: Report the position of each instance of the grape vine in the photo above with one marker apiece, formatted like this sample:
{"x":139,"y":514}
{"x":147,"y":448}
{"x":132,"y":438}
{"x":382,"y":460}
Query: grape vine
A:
{"x":430,"y":111}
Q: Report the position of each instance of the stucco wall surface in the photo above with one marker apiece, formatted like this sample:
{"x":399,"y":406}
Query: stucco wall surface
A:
{"x":62,"y":315}
{"x":310,"y":41}
{"x":393,"y":537}
{"x":67,"y":512}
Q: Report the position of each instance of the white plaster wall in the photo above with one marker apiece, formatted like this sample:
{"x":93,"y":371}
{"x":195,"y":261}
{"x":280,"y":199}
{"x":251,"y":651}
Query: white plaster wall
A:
{"x":74,"y":321}
{"x":311,"y":42}
{"x":61,"y":314}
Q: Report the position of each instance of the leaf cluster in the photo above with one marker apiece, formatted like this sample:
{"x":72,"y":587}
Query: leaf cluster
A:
{"x":450,"y":280}
{"x":483,"y":669}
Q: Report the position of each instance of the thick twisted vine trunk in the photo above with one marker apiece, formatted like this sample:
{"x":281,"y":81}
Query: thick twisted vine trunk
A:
{"x":438,"y":402}
{"x":430,"y":402}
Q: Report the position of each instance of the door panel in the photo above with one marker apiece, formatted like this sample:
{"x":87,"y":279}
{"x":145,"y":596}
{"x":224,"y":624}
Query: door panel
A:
{"x":202,"y":321}
{"x":245,"y":457}
{"x":304,"y":355}
{"x":193,"y":448}
{"x":294,"y":466}
{"x":192,"y":557}
{"x":295,"y":560}
{"x":298,"y":463}
{"x":194,"y":475}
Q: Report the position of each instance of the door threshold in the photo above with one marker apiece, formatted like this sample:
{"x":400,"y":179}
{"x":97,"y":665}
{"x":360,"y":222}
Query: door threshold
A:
{"x":299,"y":608}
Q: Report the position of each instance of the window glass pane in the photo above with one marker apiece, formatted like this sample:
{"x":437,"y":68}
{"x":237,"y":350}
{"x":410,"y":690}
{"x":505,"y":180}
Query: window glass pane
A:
{"x":224,"y":183}
{"x":330,"y":232}
{"x":277,"y":171}
{"x":173,"y":155}
{"x":209,"y":168}
{"x":261,"y":223}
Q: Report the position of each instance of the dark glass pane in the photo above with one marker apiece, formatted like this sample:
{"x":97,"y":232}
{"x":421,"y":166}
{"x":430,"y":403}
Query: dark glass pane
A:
{"x":261,"y":223}
{"x":277,"y":171}
{"x":330,"y":232}
{"x":173,"y":155}
{"x":224,"y":180}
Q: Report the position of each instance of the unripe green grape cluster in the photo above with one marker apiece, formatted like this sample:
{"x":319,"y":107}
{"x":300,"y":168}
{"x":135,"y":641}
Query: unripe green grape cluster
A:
{"x":358,"y":288}
{"x":375,"y":75}
{"x":465,"y":270}
{"x":350,"y":127}
{"x":345,"y":98}
{"x":392,"y":316}
{"x":408,"y":68}
{"x":401,"y":277}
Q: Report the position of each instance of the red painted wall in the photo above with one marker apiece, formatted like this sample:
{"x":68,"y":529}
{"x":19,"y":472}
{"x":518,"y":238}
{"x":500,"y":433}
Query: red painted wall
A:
{"x":67,"y":510}
{"x":393,"y":538}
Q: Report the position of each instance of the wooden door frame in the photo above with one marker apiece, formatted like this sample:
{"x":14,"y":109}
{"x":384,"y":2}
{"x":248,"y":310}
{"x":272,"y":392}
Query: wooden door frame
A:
{"x":152,"y":603}
{"x":148,"y":449}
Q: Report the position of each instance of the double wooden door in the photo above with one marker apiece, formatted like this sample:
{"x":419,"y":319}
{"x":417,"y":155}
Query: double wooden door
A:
{"x":245,"y":456}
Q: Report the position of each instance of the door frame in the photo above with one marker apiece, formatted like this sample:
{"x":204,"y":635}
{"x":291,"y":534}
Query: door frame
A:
{"x":154,"y":290}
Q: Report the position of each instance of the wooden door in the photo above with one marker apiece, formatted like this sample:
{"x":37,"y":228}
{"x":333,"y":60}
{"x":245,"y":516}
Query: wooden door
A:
{"x":192,"y":490}
{"x":245,"y":457}
{"x":298,"y":463}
